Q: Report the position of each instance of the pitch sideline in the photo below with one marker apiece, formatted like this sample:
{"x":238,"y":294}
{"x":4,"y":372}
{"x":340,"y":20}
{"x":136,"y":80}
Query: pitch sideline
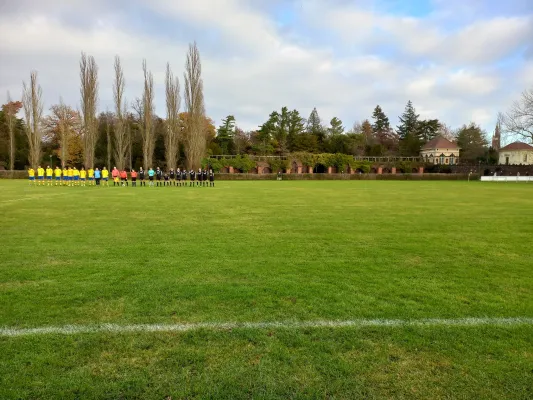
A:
{"x":185,"y":327}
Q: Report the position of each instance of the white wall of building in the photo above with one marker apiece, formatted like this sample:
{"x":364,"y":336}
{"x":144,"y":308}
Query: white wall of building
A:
{"x":515,"y":157}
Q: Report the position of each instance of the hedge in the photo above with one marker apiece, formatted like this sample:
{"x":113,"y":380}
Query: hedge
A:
{"x":5,"y":174}
{"x":304,"y":177}
{"x":383,"y":177}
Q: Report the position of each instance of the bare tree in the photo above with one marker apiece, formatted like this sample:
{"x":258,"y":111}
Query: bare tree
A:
{"x":518,"y":121}
{"x":108,"y":137}
{"x":121,"y":142}
{"x":148,"y":126}
{"x":172,"y":129}
{"x":64,"y":126}
{"x":195,"y":132}
{"x":33,"y":111}
{"x":89,"y":100}
{"x":11,"y":109}
{"x":63,"y":116}
{"x":446,"y":132}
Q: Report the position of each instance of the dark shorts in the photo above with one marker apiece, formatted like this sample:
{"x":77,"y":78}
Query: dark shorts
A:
{"x":151,"y":178}
{"x":124,"y":179}
{"x":158,"y":178}
{"x":134,"y":179}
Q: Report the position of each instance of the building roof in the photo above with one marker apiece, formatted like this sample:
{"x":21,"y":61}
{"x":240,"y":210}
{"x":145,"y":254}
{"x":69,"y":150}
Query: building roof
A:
{"x":439,"y":143}
{"x":517,"y":146}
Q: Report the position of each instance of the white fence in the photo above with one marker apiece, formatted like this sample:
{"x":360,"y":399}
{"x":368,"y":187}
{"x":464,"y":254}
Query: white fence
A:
{"x":507,"y":178}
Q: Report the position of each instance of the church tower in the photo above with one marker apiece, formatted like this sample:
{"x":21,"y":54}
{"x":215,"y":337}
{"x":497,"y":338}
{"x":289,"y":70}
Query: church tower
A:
{"x":496,"y":138}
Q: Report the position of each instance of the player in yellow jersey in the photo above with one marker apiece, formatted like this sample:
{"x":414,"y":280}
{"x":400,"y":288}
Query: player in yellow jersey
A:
{"x":90,"y":175}
{"x":70,"y":175}
{"x":76,"y":176}
{"x":40,"y":175}
{"x":65,"y":176}
{"x":49,"y":175}
{"x":105,"y":176}
{"x":57,"y":174}
{"x":83,"y":175}
{"x":31,"y":176}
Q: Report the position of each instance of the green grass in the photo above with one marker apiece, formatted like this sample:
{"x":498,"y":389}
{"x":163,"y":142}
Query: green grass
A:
{"x":267,"y":251}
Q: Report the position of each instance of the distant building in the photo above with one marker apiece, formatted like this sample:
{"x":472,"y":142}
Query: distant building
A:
{"x":440,"y":151}
{"x":496,"y":138}
{"x":516,"y":153}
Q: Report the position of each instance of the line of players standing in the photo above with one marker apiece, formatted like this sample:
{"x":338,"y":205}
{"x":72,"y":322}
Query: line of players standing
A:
{"x":165,"y":178}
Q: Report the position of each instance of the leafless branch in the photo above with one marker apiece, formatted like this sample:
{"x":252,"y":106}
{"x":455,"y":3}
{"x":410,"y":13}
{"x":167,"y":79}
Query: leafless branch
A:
{"x":33,"y":111}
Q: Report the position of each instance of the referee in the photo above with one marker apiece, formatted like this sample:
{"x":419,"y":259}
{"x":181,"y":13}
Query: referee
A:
{"x":172,"y":177}
{"x":141,"y":177}
{"x":158,"y":176}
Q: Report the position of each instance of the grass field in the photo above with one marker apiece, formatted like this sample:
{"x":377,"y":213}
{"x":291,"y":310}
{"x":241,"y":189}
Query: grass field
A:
{"x":254,"y":252}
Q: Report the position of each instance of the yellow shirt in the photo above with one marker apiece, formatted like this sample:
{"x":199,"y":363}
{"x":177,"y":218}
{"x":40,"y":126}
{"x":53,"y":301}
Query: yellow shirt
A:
{"x":91,"y":173}
{"x":40,"y":171}
{"x":49,"y":172}
{"x":105,"y":173}
{"x":65,"y":172}
{"x":70,"y":172}
{"x":75,"y":172}
{"x":57,"y":172}
{"x":31,"y":173}
{"x":83,"y":174}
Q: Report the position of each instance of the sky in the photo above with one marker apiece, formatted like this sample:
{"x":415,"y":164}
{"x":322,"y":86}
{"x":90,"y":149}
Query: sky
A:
{"x":460,"y":61}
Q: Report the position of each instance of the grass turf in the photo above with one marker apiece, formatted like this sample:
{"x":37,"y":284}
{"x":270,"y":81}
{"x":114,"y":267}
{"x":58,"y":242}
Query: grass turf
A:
{"x":267,"y":251}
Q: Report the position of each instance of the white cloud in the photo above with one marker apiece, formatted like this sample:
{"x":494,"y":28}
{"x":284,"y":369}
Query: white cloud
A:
{"x":375,"y":59}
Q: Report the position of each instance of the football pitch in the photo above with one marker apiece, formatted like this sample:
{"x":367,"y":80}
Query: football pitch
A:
{"x":265,"y":289}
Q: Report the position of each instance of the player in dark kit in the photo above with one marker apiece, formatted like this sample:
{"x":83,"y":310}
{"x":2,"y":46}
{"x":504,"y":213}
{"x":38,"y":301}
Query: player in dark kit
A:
{"x":192,"y":177}
{"x":204,"y":178}
{"x":172,"y":177}
{"x":211,"y":178}
{"x":178,"y":177}
{"x":167,"y":181}
{"x":199,"y":177}
{"x":141,"y":177}
{"x":184,"y":177}
{"x":158,"y":176}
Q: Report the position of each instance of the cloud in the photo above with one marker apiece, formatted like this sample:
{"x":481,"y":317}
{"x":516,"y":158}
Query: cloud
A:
{"x":259,"y":56}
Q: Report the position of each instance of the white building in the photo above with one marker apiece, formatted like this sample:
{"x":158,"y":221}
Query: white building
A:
{"x":516,"y":153}
{"x":440,"y":151}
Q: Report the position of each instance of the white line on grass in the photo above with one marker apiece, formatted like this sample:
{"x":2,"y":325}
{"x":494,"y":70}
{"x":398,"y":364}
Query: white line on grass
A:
{"x":357,"y":323}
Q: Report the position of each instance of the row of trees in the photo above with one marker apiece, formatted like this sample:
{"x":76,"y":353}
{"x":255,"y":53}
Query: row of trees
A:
{"x":132,"y":135}
{"x":75,"y":136}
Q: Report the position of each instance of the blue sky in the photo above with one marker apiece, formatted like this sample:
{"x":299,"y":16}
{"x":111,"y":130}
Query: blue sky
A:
{"x":458,"y":61}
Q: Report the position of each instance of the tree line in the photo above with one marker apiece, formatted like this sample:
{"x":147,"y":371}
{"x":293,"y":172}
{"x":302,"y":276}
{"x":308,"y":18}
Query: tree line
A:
{"x":132,"y":135}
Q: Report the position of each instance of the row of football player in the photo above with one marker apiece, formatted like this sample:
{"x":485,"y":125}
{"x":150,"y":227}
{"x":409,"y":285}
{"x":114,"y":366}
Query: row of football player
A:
{"x":164,"y":178}
{"x":74,"y":177}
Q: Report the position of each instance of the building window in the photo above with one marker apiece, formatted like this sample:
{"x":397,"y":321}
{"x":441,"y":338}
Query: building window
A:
{"x":525,"y":157}
{"x":451,"y":160}
{"x":447,"y":161}
{"x":442,"y":159}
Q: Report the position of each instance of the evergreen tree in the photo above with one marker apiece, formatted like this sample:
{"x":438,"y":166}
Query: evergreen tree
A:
{"x":314,"y":127}
{"x":410,"y":141}
{"x":225,"y":134}
{"x":428,"y":129}
{"x":381,"y":121}
{"x":295,"y":129}
{"x":472,"y":142}
{"x":336,"y":127}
